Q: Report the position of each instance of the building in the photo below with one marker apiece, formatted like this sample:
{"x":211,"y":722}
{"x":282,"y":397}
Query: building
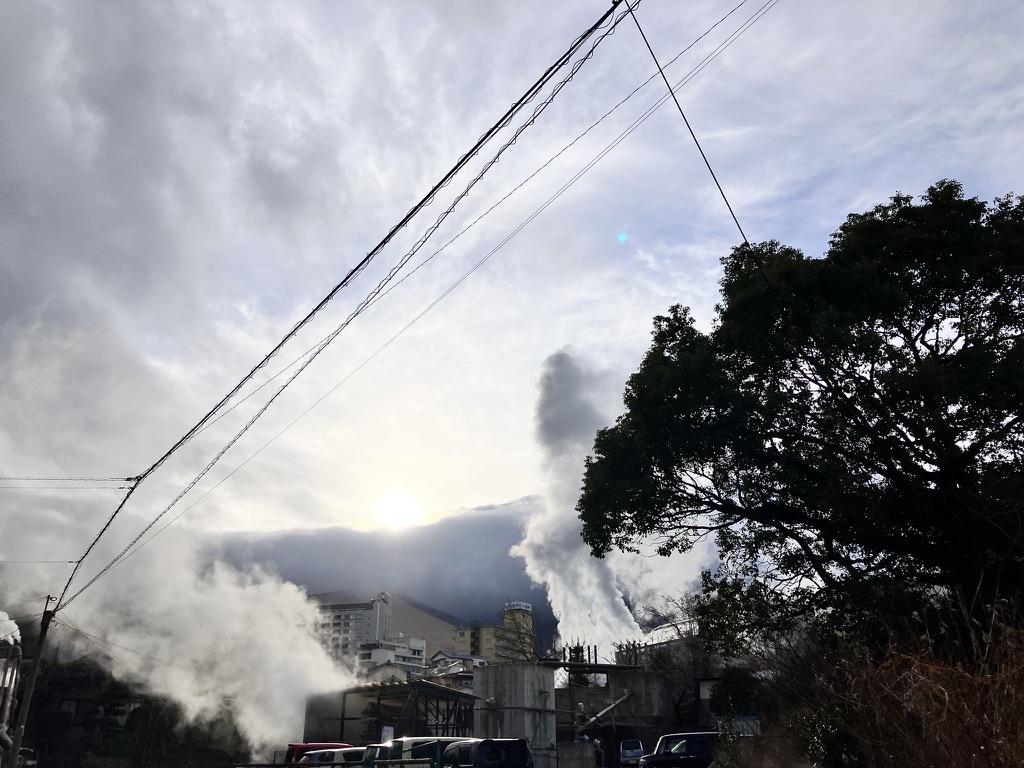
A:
{"x":379,"y":711}
{"x":346,"y":624}
{"x":454,"y":670}
{"x":510,"y":641}
{"x":408,"y":653}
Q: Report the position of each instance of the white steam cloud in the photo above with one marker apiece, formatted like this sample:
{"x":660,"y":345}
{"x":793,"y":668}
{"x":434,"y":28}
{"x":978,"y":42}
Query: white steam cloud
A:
{"x":584,"y":594}
{"x":588,"y":595}
{"x":209,"y":636}
{"x":9,"y":632}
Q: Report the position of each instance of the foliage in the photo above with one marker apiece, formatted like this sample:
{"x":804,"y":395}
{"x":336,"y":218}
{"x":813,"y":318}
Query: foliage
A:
{"x":117,"y":723}
{"x":736,"y":693}
{"x":158,"y":733}
{"x":850,"y":430}
{"x":943,"y":700}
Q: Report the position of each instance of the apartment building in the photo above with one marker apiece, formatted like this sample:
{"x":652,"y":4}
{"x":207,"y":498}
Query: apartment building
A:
{"x":347,"y":623}
{"x":409,"y":653}
{"x":510,"y":641}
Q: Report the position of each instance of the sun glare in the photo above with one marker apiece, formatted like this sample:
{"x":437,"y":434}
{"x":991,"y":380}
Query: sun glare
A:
{"x":398,"y":509}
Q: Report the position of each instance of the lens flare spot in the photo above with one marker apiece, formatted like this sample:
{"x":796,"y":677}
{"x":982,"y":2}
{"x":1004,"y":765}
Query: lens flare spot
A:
{"x":623,"y":237}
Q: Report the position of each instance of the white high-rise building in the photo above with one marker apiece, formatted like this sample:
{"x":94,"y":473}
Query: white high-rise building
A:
{"x":346,"y":624}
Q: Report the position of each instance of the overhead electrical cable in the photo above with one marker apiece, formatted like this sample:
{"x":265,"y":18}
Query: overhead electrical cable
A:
{"x":682,"y":114}
{"x":63,"y":487}
{"x":66,"y":479}
{"x":710,"y":57}
{"x":38,"y":562}
{"x":700,"y":66}
{"x":21,"y":599}
{"x":532,"y":92}
{"x":503,"y":122}
{"x":375,"y":297}
{"x":109,"y":645}
{"x":533,"y":174}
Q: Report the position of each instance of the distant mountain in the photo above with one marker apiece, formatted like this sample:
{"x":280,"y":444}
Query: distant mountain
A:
{"x":445,"y":617}
{"x":414,"y":619}
{"x":457,"y":567}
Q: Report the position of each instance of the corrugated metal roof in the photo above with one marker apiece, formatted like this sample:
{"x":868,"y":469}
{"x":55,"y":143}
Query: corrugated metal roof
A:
{"x":397,"y":687}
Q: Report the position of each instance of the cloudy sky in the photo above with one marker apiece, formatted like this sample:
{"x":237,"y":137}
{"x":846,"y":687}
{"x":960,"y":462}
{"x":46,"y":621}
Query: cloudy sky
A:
{"x":182,"y":183}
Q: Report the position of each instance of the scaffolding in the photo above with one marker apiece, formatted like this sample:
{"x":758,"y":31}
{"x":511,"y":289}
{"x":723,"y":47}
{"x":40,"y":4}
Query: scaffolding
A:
{"x":374,"y":712}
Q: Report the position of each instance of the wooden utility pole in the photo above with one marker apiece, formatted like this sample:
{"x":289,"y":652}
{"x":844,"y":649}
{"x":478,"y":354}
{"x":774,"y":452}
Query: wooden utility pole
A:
{"x":30,"y":686}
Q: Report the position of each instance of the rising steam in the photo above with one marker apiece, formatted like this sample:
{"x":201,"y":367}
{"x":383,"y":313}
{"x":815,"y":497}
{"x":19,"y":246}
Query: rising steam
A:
{"x":583,"y":591}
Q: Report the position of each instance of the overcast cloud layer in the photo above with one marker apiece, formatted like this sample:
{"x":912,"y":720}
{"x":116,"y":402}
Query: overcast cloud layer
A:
{"x":181,"y":182}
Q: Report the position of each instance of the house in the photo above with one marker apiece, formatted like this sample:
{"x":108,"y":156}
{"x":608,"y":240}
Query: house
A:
{"x":454,"y":670}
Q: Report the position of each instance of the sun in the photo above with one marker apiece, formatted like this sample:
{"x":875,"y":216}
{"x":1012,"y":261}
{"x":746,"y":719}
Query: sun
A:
{"x":398,"y":509}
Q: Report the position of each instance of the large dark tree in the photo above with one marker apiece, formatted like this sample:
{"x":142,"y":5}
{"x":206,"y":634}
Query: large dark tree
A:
{"x":849,"y":429}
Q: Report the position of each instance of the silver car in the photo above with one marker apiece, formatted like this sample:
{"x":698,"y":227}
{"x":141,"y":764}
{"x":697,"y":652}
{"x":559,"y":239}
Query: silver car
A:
{"x":630,"y":751}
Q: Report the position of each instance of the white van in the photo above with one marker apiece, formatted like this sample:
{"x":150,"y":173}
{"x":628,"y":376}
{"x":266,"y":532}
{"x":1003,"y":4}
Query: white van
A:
{"x":420,"y":747}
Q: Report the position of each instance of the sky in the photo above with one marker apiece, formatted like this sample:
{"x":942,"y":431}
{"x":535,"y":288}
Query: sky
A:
{"x":182,"y":183}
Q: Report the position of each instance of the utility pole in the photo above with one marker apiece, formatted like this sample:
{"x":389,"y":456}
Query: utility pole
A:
{"x":30,"y":686}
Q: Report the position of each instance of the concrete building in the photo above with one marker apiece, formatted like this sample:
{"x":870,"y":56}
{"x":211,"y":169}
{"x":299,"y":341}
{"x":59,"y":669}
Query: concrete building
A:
{"x":454,"y":670}
{"x":518,"y":701}
{"x":347,"y":624}
{"x":405,"y":652}
{"x":510,"y":641}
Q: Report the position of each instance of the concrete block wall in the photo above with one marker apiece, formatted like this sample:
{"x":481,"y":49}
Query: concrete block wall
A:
{"x":517,"y":701}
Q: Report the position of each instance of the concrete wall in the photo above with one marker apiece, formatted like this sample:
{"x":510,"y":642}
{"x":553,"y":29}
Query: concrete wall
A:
{"x":646,"y":714}
{"x":517,"y":701}
{"x":649,"y":703}
{"x":576,"y":754}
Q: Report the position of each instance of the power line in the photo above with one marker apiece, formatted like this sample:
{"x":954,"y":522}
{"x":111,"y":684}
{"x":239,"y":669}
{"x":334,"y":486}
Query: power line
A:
{"x":38,"y":562}
{"x":533,"y":174}
{"x":504,"y":121}
{"x":67,"y":479}
{"x":377,"y":293}
{"x":22,"y":599}
{"x":62,"y":488}
{"x":692,"y":73}
{"x":688,"y":127}
{"x":544,"y":165}
{"x":109,"y":645}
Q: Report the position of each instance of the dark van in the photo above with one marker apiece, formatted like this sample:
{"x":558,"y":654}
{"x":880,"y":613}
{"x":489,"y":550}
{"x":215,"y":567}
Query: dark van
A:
{"x":488,"y":753}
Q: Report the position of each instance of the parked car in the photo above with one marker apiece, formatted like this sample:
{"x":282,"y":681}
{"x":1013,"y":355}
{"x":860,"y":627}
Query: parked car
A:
{"x":682,"y":750}
{"x":630,"y":751}
{"x":342,"y":755}
{"x":374,"y":753}
{"x":296,"y":751}
{"x":488,"y":753}
{"x":420,"y":747}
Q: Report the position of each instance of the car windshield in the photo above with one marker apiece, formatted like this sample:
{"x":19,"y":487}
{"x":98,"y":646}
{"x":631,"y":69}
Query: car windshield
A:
{"x":691,"y":744}
{"x":677,"y":746}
